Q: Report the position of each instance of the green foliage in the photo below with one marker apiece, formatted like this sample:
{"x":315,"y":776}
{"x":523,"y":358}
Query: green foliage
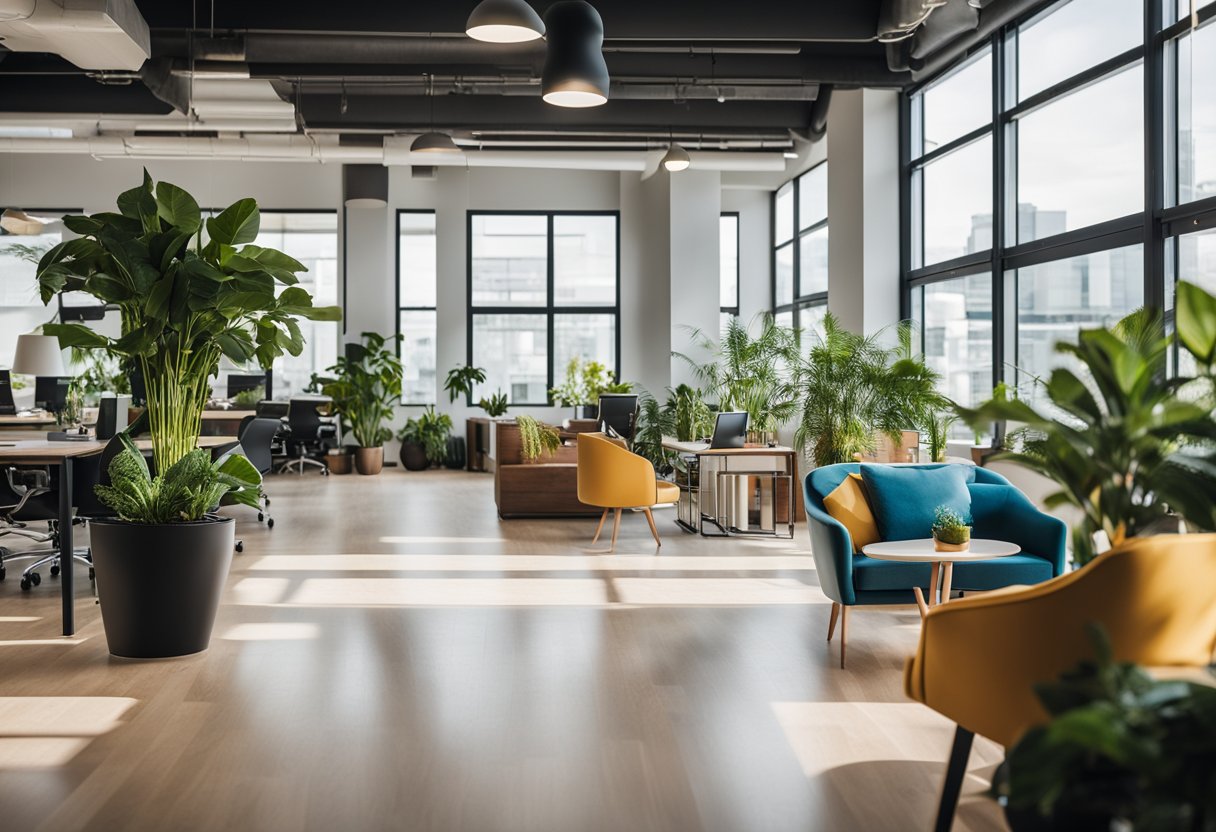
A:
{"x":536,"y":438}
{"x":691,"y":418}
{"x":1129,"y":447}
{"x":584,"y":384}
{"x":27,"y":253}
{"x":751,"y":374}
{"x":193,"y":486}
{"x":366,"y":385}
{"x":97,"y":372}
{"x":950,"y":527}
{"x":248,"y":399}
{"x":461,"y":380}
{"x":851,"y":387}
{"x":654,"y":422}
{"x":182,"y":306}
{"x":430,"y":430}
{"x":1119,"y":746}
{"x":495,"y":405}
{"x":937,"y":434}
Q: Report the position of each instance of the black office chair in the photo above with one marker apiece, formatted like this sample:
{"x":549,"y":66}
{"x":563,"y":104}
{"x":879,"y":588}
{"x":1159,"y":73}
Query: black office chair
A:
{"x":308,"y":435}
{"x":257,"y":438}
{"x":33,"y":497}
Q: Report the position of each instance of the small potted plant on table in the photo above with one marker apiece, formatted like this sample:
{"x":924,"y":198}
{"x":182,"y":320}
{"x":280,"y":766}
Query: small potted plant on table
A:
{"x":951,"y":533}
{"x":367,"y":385}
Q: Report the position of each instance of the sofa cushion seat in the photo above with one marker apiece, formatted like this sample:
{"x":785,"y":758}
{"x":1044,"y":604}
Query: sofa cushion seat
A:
{"x":1022,"y":568}
{"x":872,"y":574}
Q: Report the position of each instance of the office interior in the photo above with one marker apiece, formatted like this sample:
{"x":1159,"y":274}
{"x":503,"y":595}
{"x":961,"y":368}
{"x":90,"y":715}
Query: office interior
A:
{"x":607,"y":415}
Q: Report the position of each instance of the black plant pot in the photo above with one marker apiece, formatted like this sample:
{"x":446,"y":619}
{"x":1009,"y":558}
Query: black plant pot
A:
{"x":587,"y":411}
{"x":456,"y":453}
{"x":413,"y":457}
{"x":160,"y":585}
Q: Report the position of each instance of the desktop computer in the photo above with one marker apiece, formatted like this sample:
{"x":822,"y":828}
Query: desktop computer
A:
{"x":51,"y":392}
{"x":7,"y":406}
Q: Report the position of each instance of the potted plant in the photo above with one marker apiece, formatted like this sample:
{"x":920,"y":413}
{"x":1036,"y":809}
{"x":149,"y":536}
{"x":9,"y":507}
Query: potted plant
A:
{"x":951,"y":533}
{"x":367,"y":384}
{"x":1120,"y":751}
{"x":183,"y":304}
{"x":584,"y":383}
{"x":495,"y":405}
{"x":340,"y":460}
{"x":536,"y":439}
{"x":462,"y":380}
{"x":424,"y":441}
{"x":1131,"y":448}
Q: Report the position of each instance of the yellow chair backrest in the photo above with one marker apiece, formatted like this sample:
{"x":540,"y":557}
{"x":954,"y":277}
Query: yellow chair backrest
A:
{"x":610,"y":476}
{"x":979,"y":658}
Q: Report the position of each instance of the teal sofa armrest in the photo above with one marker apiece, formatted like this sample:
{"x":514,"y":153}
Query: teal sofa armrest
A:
{"x":832,"y":549}
{"x":1001,"y":511}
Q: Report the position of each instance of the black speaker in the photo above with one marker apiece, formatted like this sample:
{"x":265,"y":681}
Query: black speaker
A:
{"x":112,"y":415}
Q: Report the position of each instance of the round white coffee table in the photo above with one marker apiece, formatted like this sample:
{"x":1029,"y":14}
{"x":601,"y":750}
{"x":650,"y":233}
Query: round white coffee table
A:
{"x":923,"y":551}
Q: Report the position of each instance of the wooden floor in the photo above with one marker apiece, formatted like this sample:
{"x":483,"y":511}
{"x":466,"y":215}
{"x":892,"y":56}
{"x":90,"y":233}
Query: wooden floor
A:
{"x":391,"y":656}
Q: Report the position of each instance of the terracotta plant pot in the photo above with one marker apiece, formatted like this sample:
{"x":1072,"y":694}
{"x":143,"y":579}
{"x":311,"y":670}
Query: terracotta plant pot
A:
{"x":369,"y":460}
{"x":340,"y":461}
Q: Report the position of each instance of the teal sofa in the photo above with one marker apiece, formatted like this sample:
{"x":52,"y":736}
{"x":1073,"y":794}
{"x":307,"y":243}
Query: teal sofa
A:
{"x":998,"y":510}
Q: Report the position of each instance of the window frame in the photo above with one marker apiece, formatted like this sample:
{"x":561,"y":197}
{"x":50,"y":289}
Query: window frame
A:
{"x":731,"y":310}
{"x":550,"y":310}
{"x":799,"y":300}
{"x":397,"y":293}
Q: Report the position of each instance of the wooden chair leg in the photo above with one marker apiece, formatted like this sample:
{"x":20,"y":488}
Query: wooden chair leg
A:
{"x":832,"y":620}
{"x":844,"y":632}
{"x":956,"y":770}
{"x":616,"y":527}
{"x":653,"y":530}
{"x":600,"y":527}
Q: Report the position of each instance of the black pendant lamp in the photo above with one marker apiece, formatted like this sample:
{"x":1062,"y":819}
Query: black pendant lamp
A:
{"x":575,"y":73}
{"x":504,"y":21}
{"x":365,"y":186}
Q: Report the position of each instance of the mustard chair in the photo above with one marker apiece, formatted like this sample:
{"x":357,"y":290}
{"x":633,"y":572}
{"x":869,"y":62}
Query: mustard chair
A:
{"x":980,"y":657}
{"x":613,"y":478}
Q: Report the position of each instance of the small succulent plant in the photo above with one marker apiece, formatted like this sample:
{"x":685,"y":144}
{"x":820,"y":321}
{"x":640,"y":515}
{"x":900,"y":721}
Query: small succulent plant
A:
{"x":951,"y":527}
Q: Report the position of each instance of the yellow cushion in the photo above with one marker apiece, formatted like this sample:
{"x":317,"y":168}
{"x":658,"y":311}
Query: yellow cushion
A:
{"x":669,"y":492}
{"x":848,"y":504}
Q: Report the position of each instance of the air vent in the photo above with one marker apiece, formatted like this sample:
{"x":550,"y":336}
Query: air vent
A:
{"x":422,"y":171}
{"x":92,"y":34}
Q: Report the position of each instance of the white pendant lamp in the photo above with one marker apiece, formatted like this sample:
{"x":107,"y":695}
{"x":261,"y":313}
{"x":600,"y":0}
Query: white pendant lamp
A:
{"x":575,"y":73}
{"x":676,"y":158}
{"x":434,"y":142}
{"x":38,"y":355}
{"x":504,"y":21}
{"x":17,"y":222}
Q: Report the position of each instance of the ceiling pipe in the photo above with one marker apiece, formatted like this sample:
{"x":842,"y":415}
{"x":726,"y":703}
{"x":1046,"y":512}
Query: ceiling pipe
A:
{"x":992,"y":18}
{"x":793,"y":91}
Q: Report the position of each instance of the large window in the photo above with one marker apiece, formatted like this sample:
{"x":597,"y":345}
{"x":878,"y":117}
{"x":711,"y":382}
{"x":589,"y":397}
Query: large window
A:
{"x":543,"y":289}
{"x":1056,"y":178}
{"x":728,"y":267}
{"x":416,"y":286}
{"x":21,"y":310}
{"x":800,"y":250}
{"x":312,"y":238}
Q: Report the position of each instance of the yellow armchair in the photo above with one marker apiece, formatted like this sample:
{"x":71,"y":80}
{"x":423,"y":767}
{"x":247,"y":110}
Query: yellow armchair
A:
{"x":613,"y":478}
{"x":980,"y":657}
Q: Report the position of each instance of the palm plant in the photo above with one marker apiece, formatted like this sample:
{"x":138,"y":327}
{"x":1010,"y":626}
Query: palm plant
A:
{"x":751,"y":374}
{"x":852,"y":388}
{"x":1131,"y":449}
{"x":654,"y":422}
{"x":367,"y":385}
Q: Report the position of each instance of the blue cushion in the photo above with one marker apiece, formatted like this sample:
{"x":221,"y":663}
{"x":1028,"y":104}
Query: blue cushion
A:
{"x":1024,"y":568}
{"x":904,"y":498}
{"x":873,"y":574}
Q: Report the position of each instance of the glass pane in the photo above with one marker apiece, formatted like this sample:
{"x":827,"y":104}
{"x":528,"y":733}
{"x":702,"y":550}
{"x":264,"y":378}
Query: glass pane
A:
{"x":1196,"y":264}
{"x":416,"y":270}
{"x":1074,"y":36}
{"x":311,"y":238}
{"x":958,"y":104}
{"x":813,"y":196}
{"x":1197,"y":114}
{"x":584,"y":261}
{"x":724,"y":319}
{"x":589,"y":337}
{"x":1056,"y":300}
{"x":813,"y":262}
{"x":957,"y":216}
{"x":785,"y":276}
{"x":783,"y":227}
{"x":1081,"y":158}
{"x":728,"y":262}
{"x":418,"y":356}
{"x":785,"y":319}
{"x":513,"y":350}
{"x":810,"y":321}
{"x":21,"y":309}
{"x":509,"y":257}
{"x":1183,"y":7}
{"x":957,"y":335}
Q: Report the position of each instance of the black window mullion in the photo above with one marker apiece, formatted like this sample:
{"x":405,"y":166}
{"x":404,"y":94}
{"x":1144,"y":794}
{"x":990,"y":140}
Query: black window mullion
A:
{"x":549,"y":297}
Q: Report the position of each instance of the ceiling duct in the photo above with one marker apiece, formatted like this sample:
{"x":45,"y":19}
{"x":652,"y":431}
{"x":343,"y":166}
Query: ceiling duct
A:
{"x":899,"y":19}
{"x":92,"y":34}
{"x":952,"y":21}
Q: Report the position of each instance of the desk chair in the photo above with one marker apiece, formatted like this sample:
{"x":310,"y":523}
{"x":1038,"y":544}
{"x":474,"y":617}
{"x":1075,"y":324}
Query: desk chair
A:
{"x":614,"y":478}
{"x":307,"y":434}
{"x":255,"y":439}
{"x":34,"y":498}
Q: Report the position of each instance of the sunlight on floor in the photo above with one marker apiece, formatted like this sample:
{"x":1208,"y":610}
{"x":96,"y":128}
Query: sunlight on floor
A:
{"x":272,"y":631}
{"x":527,"y":563}
{"x":48,"y":731}
{"x":397,"y":539}
{"x":41,"y":642}
{"x":449,"y":592}
{"x":716,"y":591}
{"x":19,"y":619}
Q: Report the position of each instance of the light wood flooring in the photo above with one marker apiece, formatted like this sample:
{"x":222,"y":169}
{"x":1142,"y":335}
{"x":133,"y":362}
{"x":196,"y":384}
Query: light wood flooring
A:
{"x":391,"y":656}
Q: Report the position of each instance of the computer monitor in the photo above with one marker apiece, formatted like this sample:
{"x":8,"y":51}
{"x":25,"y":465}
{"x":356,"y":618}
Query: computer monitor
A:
{"x":730,"y":430}
{"x":7,"y":405}
{"x":239,"y":383}
{"x":51,"y":392}
{"x":619,"y":414}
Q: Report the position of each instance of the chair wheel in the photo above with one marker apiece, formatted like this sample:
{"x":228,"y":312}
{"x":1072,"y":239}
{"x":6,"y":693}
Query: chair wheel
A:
{"x":25,"y":584}
{"x":270,"y":523}
{"x":240,"y":545}
{"x":325,"y":472}
{"x":54,"y":572}
{"x":35,"y":578}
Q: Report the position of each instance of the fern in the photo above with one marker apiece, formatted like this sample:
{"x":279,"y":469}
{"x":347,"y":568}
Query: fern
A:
{"x":536,"y":438}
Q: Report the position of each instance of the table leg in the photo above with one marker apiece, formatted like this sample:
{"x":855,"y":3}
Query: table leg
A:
{"x":948,"y":570}
{"x":933,"y":583}
{"x":66,"y":566}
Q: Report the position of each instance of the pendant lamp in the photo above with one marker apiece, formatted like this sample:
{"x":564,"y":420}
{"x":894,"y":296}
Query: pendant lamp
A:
{"x":504,"y":21}
{"x":575,"y":73}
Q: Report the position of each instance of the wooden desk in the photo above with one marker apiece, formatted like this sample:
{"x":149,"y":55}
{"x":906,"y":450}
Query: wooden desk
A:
{"x":226,"y":422}
{"x":37,"y":421}
{"x":773,"y":467}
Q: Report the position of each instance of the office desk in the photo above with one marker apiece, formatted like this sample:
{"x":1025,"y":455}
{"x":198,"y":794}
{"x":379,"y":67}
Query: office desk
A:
{"x":32,"y":421}
{"x":731,"y":503}
{"x":223,"y":422}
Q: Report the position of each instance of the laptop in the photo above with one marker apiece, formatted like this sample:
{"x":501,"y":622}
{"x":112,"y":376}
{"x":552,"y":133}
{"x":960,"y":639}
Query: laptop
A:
{"x":730,"y":431}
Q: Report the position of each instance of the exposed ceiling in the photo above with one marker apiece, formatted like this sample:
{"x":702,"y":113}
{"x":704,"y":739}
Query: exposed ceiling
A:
{"x":719,"y":75}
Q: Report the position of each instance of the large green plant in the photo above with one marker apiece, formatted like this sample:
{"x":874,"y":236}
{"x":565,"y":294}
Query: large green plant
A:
{"x":749,"y":373}
{"x":584,"y":383}
{"x":536,"y":438}
{"x":190,"y":488}
{"x":1129,"y":447}
{"x":852,"y":388}
{"x":461,"y":380}
{"x":184,"y":301}
{"x":367,"y":384}
{"x":430,"y":430}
